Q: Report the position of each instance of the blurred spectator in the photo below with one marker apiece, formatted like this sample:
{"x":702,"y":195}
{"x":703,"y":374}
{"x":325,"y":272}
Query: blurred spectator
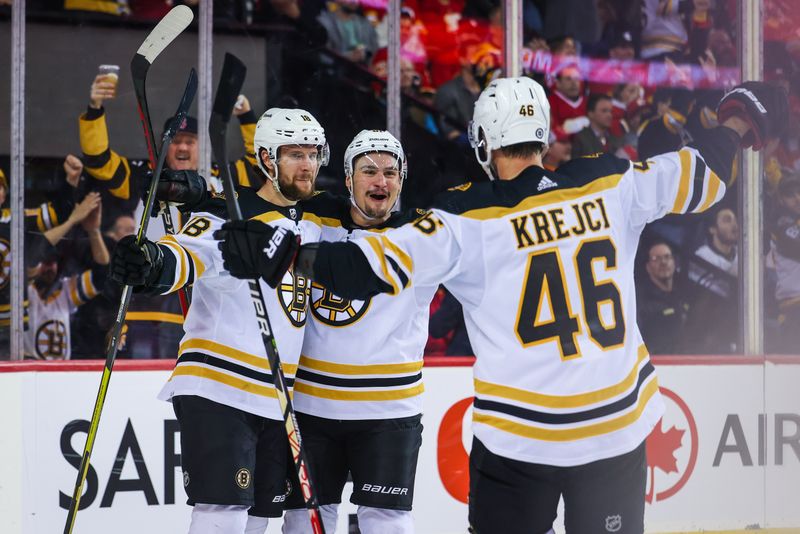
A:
{"x":412,"y":39}
{"x":666,"y":131}
{"x":596,"y":137}
{"x":622,"y":47}
{"x":123,"y":181}
{"x":349,"y":32}
{"x":448,"y":322}
{"x":720,"y":249}
{"x":95,"y":318}
{"x":456,"y":98}
{"x":785,"y":248}
{"x":559,"y":150}
{"x":567,"y":104}
{"x":52,"y":299}
{"x":715,"y":307}
{"x":661,"y":301}
{"x":664,"y":33}
{"x":562,"y":45}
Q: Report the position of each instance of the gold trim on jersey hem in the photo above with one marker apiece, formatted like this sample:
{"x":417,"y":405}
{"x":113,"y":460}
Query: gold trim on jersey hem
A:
{"x":570,"y":434}
{"x":564,"y":401}
{"x":350,"y":395}
{"x":261,"y":362}
{"x":559,"y":195}
{"x":353,"y":369}
{"x":164,"y":317}
{"x":185,"y":369}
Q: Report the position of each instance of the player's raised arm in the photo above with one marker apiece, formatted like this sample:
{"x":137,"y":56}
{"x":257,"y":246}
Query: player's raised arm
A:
{"x":357,"y":269}
{"x":694,"y":178}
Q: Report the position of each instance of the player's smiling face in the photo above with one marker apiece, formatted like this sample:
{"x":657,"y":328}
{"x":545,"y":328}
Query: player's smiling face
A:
{"x":376,"y":183}
{"x":183,"y":154}
{"x":297,"y":170}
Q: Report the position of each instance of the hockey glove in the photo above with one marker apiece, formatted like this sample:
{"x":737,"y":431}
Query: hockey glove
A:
{"x":135,"y":265}
{"x":763,"y":106}
{"x":185,"y":188}
{"x":252,"y":249}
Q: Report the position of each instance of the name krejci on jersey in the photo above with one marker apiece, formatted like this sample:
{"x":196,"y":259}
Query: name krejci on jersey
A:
{"x":546,"y":226}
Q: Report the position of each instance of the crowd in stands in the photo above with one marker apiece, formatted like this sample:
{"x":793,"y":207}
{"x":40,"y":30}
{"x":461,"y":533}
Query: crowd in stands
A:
{"x":632,"y":78}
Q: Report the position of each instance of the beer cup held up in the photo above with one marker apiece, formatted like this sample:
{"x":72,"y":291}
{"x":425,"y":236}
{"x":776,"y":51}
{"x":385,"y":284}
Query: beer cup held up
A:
{"x":111,"y":75}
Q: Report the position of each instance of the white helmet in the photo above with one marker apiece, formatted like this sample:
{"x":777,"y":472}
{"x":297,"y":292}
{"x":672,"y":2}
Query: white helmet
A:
{"x":279,"y":127}
{"x":507,"y":112}
{"x":373,"y":141}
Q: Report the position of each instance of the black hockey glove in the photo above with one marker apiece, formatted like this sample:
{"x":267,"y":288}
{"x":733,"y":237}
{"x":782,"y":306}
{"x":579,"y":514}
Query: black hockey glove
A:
{"x":185,"y":188}
{"x":763,"y":106}
{"x":136,"y":265}
{"x":252,"y":249}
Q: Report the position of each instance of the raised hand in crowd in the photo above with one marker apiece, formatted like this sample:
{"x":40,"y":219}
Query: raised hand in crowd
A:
{"x":101,"y":91}
{"x":91,"y":223}
{"x":242,"y":106}
{"x":84,"y":208}
{"x":73,"y":167}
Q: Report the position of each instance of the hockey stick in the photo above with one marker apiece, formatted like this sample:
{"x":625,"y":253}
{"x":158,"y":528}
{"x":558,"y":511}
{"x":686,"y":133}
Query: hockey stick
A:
{"x":230,"y":83}
{"x":180,"y":115}
{"x":168,"y":28}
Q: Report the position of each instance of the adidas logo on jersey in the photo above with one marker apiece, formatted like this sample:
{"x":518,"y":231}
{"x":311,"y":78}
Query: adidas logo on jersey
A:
{"x":545,"y":183}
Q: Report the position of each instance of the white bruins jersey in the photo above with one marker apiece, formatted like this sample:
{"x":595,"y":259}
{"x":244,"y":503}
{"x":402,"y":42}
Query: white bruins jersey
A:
{"x":47,"y":329}
{"x":362,"y":359}
{"x":221,"y":356}
{"x":543,"y":266}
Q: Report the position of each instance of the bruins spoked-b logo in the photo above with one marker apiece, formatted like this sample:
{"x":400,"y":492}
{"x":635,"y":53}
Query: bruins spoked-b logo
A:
{"x":293,"y":295}
{"x":51,"y":340}
{"x":243,"y":478}
{"x":336,"y":311}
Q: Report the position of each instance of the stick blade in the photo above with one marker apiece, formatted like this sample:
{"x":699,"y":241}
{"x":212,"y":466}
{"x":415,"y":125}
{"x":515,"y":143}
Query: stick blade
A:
{"x":168,"y":28}
{"x":184,"y":105}
{"x":230,"y":84}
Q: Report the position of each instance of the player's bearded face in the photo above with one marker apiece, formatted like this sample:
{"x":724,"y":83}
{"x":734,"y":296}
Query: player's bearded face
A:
{"x":183,"y":154}
{"x":298,"y":166}
{"x":376,"y":183}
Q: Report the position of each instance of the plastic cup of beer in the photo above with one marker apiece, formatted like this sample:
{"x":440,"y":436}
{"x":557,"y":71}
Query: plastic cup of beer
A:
{"x":110,"y":74}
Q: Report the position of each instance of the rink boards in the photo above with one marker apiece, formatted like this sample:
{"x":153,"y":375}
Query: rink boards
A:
{"x":726,"y":456}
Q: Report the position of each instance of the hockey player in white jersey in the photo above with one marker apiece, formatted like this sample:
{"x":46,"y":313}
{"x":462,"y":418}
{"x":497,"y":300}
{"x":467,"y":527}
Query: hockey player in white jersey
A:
{"x":234,"y":451}
{"x":358,"y":390}
{"x":542,"y":263}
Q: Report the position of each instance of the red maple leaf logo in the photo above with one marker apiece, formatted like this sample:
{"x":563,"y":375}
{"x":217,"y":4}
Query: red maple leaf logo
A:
{"x":661,"y":447}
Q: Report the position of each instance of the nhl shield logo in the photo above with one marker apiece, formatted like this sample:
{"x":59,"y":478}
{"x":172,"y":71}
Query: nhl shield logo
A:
{"x":186,"y":479}
{"x":293,"y":213}
{"x":613,"y":523}
{"x":243,"y":478}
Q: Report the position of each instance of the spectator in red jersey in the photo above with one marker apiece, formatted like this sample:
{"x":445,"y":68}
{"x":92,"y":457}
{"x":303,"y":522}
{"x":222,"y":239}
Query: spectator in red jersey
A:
{"x":567,"y":104}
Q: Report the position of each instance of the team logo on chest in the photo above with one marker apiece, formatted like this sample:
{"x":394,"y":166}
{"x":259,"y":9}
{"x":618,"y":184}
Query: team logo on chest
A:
{"x":336,"y":311}
{"x":51,"y":340}
{"x":293,"y":294}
